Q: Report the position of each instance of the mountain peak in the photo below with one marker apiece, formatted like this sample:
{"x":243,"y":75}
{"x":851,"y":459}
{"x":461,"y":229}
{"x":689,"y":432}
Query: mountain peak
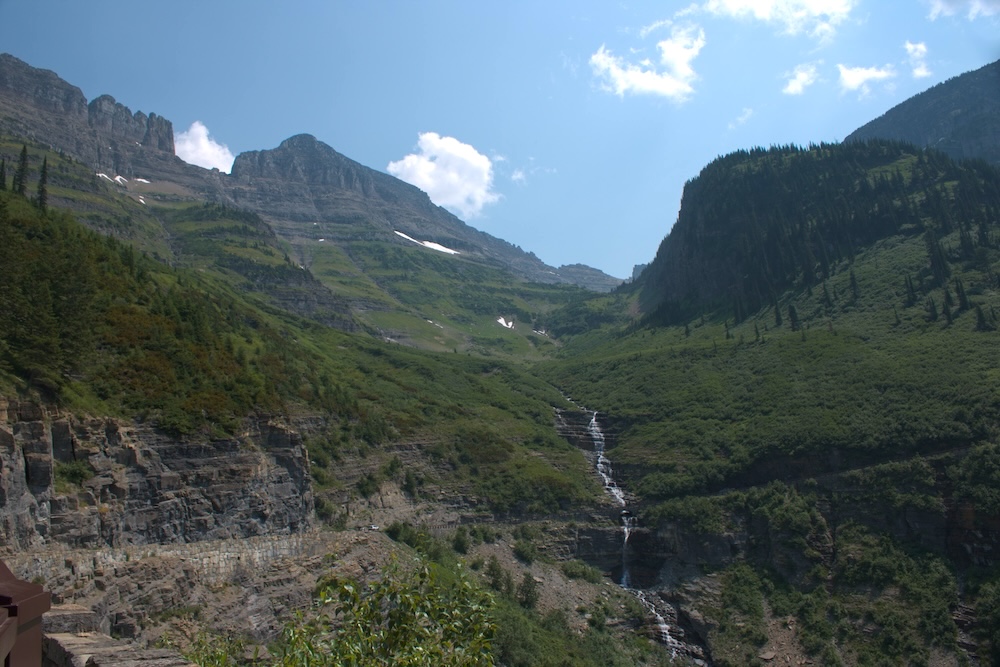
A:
{"x":300,"y":141}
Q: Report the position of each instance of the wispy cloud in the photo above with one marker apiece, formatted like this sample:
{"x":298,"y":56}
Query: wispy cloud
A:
{"x":816,"y":18}
{"x":741,"y":119}
{"x":800,"y":78}
{"x":972,"y":9}
{"x":672,"y":77}
{"x":653,"y":27}
{"x":196,"y":147}
{"x":917,"y":55}
{"x":858,"y":78}
{"x":453,"y":174}
{"x":518,"y":176}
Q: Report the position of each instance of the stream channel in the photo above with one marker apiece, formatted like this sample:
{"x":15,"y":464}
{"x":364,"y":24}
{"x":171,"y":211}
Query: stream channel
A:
{"x":677,"y":648}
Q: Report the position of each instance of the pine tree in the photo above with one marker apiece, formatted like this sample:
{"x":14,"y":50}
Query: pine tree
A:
{"x":527,"y":591}
{"x":43,"y":186}
{"x":793,"y":317}
{"x":911,"y":293}
{"x":938,"y":261}
{"x":3,"y":175}
{"x":963,"y":299}
{"x":20,"y":185}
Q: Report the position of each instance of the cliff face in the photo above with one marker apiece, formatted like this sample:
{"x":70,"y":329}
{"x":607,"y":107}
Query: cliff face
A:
{"x":958,"y":117}
{"x":133,"y":485}
{"x":38,"y":105}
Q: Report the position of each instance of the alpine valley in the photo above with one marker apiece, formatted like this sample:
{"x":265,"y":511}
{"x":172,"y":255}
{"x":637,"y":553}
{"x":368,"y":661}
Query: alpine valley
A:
{"x":298,"y":414}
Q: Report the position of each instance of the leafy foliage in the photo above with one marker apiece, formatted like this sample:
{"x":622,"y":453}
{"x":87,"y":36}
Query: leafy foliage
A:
{"x":412,"y":620}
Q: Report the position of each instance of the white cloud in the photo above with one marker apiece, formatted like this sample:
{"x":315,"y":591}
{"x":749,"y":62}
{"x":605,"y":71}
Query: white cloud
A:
{"x":196,"y":147}
{"x":742,"y":118}
{"x":816,"y":18}
{"x":672,"y":78}
{"x":917,"y":54}
{"x":453,"y":174}
{"x":858,"y":78}
{"x":800,"y":78}
{"x":973,"y":9}
{"x":519,"y":176}
{"x":654,"y":26}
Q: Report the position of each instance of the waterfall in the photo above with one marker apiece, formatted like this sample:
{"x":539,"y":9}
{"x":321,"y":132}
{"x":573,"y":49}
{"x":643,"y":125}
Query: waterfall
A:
{"x":628,"y":522}
{"x":628,"y":525}
{"x":603,"y":464}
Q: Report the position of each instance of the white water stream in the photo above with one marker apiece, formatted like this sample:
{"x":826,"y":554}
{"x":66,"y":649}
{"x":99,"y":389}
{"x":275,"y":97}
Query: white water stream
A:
{"x":628,"y":525}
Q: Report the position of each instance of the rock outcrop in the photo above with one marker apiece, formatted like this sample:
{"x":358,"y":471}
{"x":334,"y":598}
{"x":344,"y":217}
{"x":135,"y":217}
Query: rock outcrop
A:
{"x":38,"y":105}
{"x":106,"y":482}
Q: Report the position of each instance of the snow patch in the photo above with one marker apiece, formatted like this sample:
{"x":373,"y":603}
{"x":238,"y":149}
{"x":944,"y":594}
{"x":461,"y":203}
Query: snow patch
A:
{"x":121,"y":180}
{"x":505,"y":324}
{"x":140,"y":180}
{"x":430,"y":244}
{"x":106,"y":177}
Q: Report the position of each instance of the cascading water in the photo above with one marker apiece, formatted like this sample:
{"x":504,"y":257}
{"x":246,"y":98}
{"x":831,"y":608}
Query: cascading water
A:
{"x":628,"y":525}
{"x":603,"y":464}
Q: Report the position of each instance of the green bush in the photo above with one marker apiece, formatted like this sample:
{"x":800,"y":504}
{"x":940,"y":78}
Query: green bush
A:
{"x":73,"y":473}
{"x":576,"y":569}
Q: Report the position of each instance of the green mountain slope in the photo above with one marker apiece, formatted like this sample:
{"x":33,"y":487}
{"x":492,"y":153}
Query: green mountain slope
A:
{"x":104,"y":329}
{"x":957,"y":117}
{"x":813,"y":393}
{"x":756,"y":223}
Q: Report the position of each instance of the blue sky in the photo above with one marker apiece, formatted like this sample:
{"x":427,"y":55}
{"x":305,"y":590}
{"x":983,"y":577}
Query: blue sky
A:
{"x":567,"y":128}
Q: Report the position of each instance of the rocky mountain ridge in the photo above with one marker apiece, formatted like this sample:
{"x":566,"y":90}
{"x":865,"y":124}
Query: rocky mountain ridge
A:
{"x":300,"y":183}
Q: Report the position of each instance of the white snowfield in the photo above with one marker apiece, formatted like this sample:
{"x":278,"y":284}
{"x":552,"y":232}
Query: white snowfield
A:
{"x":430,"y":244}
{"x":505,"y":324}
{"x":120,"y":180}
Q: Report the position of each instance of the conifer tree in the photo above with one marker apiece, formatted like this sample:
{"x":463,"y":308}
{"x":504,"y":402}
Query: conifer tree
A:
{"x":20,"y":185}
{"x":938,"y":261}
{"x":527,"y":591}
{"x":43,"y":186}
{"x":3,"y":175}
{"x":963,"y":298}
{"x":793,"y":317}
{"x":911,"y":293}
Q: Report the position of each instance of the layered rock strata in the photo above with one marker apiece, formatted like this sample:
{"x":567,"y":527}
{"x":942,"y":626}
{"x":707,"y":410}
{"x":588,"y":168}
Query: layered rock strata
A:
{"x":106,"y":482}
